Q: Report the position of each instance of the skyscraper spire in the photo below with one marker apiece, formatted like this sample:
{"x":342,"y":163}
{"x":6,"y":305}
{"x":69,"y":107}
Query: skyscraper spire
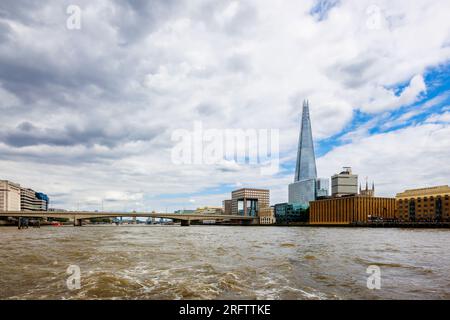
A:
{"x":306,"y":187}
{"x":306,"y":161}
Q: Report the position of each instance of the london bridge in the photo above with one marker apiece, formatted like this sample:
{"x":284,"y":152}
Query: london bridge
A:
{"x":79,"y":216}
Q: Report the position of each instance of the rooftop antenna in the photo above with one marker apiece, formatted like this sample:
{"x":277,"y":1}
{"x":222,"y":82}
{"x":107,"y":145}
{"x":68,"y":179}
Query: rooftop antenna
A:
{"x":347,"y":169}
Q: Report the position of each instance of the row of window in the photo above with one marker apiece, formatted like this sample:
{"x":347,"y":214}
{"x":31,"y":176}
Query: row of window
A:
{"x":419,"y":202}
{"x":425,"y":199}
{"x":418,"y":206}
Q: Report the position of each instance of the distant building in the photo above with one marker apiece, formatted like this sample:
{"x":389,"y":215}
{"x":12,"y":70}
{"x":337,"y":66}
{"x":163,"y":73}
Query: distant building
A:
{"x":247,"y":202}
{"x":42,"y":201}
{"x":367,"y":192}
{"x":226,"y":204}
{"x":306,"y":187}
{"x":425,"y":204}
{"x":266,"y":215}
{"x":351,"y":209}
{"x":286,"y":213}
{"x":184,"y":211}
{"x":31,"y":200}
{"x":9,"y":196}
{"x":209,"y":210}
{"x":344,"y":184}
{"x":27,"y":198}
{"x":322,"y":188}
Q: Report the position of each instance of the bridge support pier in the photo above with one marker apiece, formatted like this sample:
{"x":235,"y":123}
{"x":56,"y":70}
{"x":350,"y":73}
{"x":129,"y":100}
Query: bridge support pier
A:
{"x":185,"y":223}
{"x":77,"y":222}
{"x":22,"y":223}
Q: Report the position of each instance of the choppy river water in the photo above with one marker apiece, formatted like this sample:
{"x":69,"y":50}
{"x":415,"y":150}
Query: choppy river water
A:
{"x":220,"y":262}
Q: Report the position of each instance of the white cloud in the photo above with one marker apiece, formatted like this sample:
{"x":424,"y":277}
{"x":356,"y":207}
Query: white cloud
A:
{"x":386,"y":99}
{"x":439,"y":118}
{"x":122,"y":196}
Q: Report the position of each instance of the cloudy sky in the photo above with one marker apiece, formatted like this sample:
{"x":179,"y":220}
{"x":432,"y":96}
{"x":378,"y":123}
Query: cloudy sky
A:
{"x":87,"y":114}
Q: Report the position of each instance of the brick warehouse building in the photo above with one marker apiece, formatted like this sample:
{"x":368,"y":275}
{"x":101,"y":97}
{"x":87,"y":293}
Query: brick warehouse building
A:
{"x":425,"y":204}
{"x":347,"y":210}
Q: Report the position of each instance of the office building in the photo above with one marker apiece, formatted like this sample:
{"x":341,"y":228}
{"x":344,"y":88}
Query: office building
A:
{"x":42,"y":201}
{"x":302,"y":192}
{"x":247,"y":202}
{"x":351,"y":209}
{"x":27,"y":198}
{"x":286,"y":213}
{"x":31,"y":200}
{"x":344,"y":183}
{"x":425,"y":204}
{"x":306,"y":187}
{"x":9,"y":196}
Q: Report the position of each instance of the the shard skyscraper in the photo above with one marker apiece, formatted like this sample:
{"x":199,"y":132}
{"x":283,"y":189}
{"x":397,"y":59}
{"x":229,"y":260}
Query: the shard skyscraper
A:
{"x":306,"y":160}
{"x":306,"y":186}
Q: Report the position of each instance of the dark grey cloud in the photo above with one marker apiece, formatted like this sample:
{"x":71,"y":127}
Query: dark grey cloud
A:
{"x":61,"y":69}
{"x":205,"y":109}
{"x":51,"y":158}
{"x":355,"y":73}
{"x":135,"y":19}
{"x":239,"y":63}
{"x":27,"y":134}
{"x":5,"y":32}
{"x":20,"y":10}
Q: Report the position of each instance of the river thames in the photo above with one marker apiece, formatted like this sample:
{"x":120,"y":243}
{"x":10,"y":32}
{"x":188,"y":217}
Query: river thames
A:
{"x":220,"y":262}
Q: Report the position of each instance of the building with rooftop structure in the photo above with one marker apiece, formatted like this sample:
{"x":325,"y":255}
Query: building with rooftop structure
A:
{"x":344,"y":183}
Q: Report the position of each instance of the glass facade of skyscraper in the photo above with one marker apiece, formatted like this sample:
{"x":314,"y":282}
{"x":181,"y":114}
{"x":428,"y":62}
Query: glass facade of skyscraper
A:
{"x":306,"y":186}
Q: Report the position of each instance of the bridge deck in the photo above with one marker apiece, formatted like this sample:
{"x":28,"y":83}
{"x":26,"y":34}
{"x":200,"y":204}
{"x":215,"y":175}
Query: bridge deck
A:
{"x":90,"y":215}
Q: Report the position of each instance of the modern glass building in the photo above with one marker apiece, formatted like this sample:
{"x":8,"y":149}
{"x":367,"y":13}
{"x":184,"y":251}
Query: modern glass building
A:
{"x":306,"y":186}
{"x":286,"y":213}
{"x":322,"y":188}
{"x":302,"y":192}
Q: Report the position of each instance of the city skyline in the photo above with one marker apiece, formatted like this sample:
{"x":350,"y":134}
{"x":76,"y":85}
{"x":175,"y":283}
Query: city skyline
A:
{"x":91,"y":122}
